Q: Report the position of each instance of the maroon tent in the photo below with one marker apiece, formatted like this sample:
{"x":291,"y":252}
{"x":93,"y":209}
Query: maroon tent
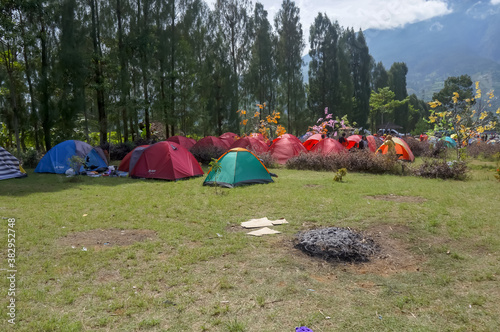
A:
{"x":186,"y":142}
{"x":250,"y":143}
{"x":286,"y":148}
{"x":312,"y":141}
{"x":125,"y":163}
{"x":210,"y":141}
{"x":259,"y":136}
{"x":293,"y":137}
{"x":327,"y":146}
{"x":167,"y":161}
{"x":229,"y":138}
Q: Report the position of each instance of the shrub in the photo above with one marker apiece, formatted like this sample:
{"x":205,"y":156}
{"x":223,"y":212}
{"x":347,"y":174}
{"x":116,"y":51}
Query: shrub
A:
{"x":417,"y":147}
{"x":30,"y":158}
{"x":439,"y":169}
{"x":356,"y":160}
{"x":437,"y":150}
{"x":119,"y":151}
{"x":266,"y":158}
{"x":205,"y":154}
{"x":487,"y":151}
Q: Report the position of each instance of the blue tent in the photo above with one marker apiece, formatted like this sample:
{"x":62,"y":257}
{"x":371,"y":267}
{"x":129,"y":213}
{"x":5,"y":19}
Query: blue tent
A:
{"x":449,"y":142}
{"x":57,"y":160}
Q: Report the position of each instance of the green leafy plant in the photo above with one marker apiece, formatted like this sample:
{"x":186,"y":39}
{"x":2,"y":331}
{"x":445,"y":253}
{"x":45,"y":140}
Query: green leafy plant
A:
{"x":216,"y":167}
{"x":340,"y":174}
{"x":75,"y":162}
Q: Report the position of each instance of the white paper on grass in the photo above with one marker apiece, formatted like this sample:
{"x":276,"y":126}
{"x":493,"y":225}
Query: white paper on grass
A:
{"x":263,"y":222}
{"x":263,"y":231}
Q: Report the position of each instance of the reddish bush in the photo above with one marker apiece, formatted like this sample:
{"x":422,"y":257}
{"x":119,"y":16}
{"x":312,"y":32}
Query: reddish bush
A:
{"x":439,"y":169}
{"x":205,"y":154}
{"x":266,"y":158}
{"x":483,"y":150}
{"x":356,"y":160}
{"x":417,"y":147}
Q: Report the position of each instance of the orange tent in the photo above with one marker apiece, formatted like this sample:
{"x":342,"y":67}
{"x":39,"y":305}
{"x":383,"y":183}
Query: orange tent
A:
{"x":402,"y":149}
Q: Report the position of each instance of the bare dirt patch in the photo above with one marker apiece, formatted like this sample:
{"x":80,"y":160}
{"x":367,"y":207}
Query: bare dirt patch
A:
{"x":313,"y":186}
{"x":398,"y":199}
{"x":103,"y":238}
{"x":393,"y":256}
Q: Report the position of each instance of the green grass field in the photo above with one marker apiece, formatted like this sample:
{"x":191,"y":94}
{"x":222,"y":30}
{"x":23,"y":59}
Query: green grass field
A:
{"x":178,"y":260}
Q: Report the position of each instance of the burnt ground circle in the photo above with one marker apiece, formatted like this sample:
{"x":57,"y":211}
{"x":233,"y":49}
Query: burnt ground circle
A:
{"x":337,"y":244}
{"x":392,"y":257}
{"x":102,"y":238}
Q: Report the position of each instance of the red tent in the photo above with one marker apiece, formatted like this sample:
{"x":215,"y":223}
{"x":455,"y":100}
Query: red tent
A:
{"x":373,"y":142}
{"x":186,"y":143}
{"x":229,"y":138}
{"x":259,"y":136}
{"x":352,"y":141}
{"x":167,"y":161}
{"x":286,"y":148}
{"x":312,"y":141}
{"x":295,"y":138}
{"x":327,"y":146}
{"x":250,"y":143}
{"x":210,"y":141}
{"x":124,"y":164}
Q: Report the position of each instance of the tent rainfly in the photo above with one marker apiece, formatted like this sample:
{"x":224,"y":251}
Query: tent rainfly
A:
{"x":9,"y":166}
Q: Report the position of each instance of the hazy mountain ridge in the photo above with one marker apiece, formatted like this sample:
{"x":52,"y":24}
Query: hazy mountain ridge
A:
{"x":463,"y":42}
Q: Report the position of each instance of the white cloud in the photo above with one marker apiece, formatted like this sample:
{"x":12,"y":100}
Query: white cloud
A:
{"x":481,"y":10}
{"x":495,"y":2}
{"x":363,"y":14}
{"x":366,"y":14}
{"x":436,"y":27}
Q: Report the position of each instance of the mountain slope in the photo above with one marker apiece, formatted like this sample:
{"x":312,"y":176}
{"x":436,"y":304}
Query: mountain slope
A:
{"x":463,"y":42}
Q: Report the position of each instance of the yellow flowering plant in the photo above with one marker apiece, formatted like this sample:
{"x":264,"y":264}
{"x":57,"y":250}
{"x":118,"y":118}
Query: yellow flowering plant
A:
{"x":465,"y":118}
{"x":257,"y":122}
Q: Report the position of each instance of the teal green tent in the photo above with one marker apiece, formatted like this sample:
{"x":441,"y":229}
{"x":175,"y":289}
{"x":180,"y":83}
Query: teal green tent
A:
{"x":238,"y":167}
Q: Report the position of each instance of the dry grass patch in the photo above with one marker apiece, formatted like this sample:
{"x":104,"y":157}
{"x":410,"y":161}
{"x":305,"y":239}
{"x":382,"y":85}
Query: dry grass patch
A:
{"x":398,"y":199}
{"x":101,"y":238}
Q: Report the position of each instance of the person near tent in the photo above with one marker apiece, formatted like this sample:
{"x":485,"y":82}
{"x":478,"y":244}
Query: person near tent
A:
{"x":363,"y":144}
{"x":342,"y":140}
{"x":391,"y":147}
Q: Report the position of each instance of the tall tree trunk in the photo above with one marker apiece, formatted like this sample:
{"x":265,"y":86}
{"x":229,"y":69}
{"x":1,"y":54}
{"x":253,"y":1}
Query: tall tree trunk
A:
{"x":172,"y":64}
{"x":97,"y":57}
{"x":44,"y":107}
{"x":27,"y":69}
{"x":146,"y":105}
{"x":123,"y":71}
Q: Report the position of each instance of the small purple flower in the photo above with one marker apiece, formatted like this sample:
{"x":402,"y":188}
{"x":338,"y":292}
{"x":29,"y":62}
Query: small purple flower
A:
{"x":319,"y":120}
{"x":326,"y":110}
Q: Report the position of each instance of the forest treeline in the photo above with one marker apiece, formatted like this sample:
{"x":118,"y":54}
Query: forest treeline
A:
{"x":84,"y":69}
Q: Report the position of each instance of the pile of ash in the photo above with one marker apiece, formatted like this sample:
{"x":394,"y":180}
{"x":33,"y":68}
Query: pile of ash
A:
{"x":336,"y":244}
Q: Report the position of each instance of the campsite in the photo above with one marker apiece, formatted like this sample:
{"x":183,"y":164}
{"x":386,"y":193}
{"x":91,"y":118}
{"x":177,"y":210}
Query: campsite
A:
{"x":114,"y":253}
{"x":240,"y":166}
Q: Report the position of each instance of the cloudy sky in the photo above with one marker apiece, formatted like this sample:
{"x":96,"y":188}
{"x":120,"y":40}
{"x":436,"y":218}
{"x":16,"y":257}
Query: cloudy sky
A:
{"x":370,"y":14}
{"x":366,"y":14}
